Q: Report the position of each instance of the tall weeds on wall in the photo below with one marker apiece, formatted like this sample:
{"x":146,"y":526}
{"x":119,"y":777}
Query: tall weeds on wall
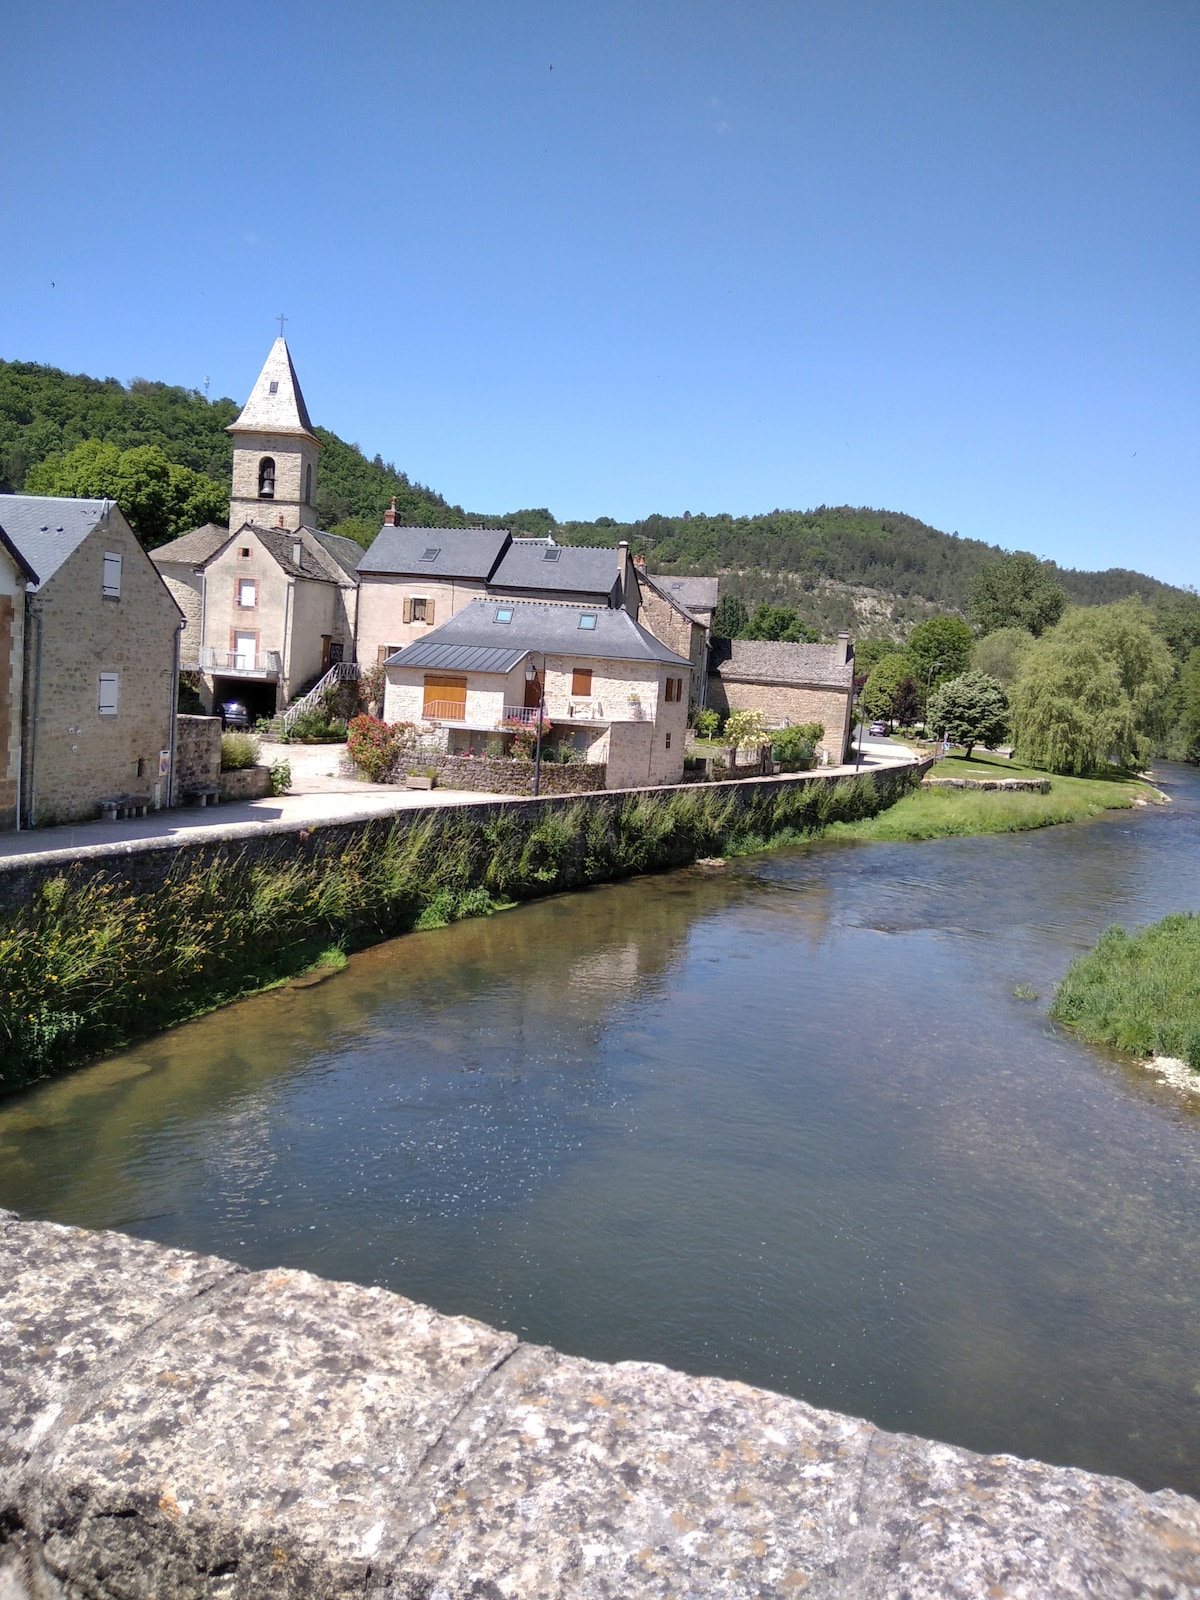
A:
{"x":93,"y":965}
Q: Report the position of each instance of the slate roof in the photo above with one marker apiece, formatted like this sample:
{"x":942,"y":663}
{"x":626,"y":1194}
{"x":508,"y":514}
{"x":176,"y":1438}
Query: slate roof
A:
{"x":345,"y":552}
{"x":18,"y":559}
{"x":461,"y":552}
{"x":281,"y":412}
{"x":47,"y":529}
{"x":194,"y":549}
{"x":280,"y":542}
{"x":473,"y":637}
{"x":693,"y":594}
{"x":789,"y":665}
{"x":566,"y":569}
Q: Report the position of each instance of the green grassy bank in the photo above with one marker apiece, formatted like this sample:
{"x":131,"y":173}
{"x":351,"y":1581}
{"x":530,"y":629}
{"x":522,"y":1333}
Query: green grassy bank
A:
{"x":934,"y":813}
{"x":1138,"y":991}
{"x":93,"y":965}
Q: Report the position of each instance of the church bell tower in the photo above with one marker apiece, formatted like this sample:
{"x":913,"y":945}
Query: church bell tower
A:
{"x":274,"y":451}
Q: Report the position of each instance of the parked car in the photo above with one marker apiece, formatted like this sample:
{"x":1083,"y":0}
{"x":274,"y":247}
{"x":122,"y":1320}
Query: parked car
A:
{"x":234,"y":715}
{"x":878,"y":727}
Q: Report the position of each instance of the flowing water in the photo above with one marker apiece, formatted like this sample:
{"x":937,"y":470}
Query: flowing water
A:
{"x":785,"y":1122}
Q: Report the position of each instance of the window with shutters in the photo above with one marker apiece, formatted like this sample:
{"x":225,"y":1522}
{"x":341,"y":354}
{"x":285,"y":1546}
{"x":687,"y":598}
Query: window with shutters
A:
{"x":386,"y":650}
{"x":112,"y":575}
{"x":108,"y":694}
{"x":581,"y":682}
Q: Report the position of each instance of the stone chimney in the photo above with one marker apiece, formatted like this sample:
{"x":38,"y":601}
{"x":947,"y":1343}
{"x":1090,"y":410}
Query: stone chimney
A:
{"x":623,"y":570}
{"x":842,"y":649}
{"x":389,"y":517}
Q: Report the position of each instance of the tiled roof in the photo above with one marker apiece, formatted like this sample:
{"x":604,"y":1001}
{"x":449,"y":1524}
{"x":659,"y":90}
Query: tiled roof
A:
{"x":47,"y":529}
{"x":809,"y":665}
{"x":693,"y":594}
{"x":458,"y":552}
{"x":281,"y":411}
{"x":195,"y":549}
{"x":541,"y":627}
{"x":532,"y":564}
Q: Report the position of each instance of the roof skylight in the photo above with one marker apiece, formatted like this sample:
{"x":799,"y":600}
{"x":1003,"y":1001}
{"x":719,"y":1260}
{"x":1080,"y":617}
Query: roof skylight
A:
{"x":587,"y":619}
{"x":432,"y":553}
{"x":551,"y":553}
{"x":503,"y":614}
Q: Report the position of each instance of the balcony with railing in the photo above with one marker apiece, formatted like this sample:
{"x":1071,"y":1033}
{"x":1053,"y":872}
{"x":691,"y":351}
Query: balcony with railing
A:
{"x":444,"y":711}
{"x":241,"y":663}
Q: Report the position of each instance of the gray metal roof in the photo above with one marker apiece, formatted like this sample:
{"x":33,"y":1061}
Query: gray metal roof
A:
{"x":456,"y":657}
{"x":540,"y":627}
{"x":693,"y":594}
{"x":461,"y":552}
{"x":802,"y":665}
{"x":47,"y":529}
{"x":561,"y":568}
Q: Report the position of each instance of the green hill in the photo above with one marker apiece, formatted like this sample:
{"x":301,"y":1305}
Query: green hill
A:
{"x":840,"y":566}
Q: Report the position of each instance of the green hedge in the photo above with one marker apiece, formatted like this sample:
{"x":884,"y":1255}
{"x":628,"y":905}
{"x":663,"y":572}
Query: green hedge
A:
{"x":93,"y":964}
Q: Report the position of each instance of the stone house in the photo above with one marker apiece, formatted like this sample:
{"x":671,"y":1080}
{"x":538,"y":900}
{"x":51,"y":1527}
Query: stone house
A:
{"x":15,"y":574}
{"x":100,"y":661}
{"x":679,"y":612}
{"x":268,"y":609}
{"x":788,"y":683}
{"x":412,"y":580}
{"x":610,"y":690}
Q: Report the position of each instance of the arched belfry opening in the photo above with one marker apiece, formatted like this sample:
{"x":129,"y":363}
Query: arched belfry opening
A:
{"x":275,"y":451}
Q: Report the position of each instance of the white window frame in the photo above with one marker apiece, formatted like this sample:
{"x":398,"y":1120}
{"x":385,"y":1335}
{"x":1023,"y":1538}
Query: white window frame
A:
{"x":243,"y":585}
{"x":108,"y":693}
{"x":111,"y":580}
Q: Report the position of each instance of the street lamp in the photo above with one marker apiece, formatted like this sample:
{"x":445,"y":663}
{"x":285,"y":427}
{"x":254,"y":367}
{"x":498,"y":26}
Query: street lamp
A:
{"x":532,"y":676}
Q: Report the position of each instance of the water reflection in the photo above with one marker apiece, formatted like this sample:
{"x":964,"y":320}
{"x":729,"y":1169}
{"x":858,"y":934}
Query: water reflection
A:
{"x":786,"y":1123}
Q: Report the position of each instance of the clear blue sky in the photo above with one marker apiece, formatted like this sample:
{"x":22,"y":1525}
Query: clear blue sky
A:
{"x":618,"y":258}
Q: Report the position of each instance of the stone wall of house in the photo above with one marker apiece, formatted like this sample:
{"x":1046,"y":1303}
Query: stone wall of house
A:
{"x":381,"y":600}
{"x":782,"y":703}
{"x":511,"y":777}
{"x":185,"y":588}
{"x":12,"y":646}
{"x":76,"y":756}
{"x":173,"y":1424}
{"x":677,"y":631}
{"x":197,"y":755}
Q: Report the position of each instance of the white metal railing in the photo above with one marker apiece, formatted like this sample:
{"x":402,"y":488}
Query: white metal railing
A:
{"x":526,"y":714}
{"x":340,"y":672}
{"x":249,"y":661}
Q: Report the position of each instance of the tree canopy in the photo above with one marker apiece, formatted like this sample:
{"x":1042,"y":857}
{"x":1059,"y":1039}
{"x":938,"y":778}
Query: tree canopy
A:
{"x":969,"y":710}
{"x":883,"y":684}
{"x":1000,"y":654}
{"x":1092,"y":690}
{"x":779,"y":623}
{"x":1015,"y":591}
{"x":160,"y":499}
{"x":942,"y":646}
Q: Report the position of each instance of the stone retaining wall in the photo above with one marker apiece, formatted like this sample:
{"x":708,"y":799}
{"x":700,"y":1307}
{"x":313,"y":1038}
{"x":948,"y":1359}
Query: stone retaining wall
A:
{"x":143,"y":864}
{"x":246,"y":783}
{"x":513,"y":777}
{"x":172,"y":1425}
{"x":1014,"y":785}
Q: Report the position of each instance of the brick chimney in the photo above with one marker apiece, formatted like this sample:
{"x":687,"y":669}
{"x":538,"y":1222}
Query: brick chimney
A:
{"x":640,"y":563}
{"x":279,"y":520}
{"x":389,"y":517}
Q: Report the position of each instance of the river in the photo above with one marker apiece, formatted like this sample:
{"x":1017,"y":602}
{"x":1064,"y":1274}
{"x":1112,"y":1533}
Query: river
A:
{"x":786,"y":1122}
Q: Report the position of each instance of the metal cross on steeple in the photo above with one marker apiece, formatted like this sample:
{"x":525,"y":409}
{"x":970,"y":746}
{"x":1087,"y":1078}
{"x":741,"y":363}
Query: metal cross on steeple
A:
{"x":282,"y":320}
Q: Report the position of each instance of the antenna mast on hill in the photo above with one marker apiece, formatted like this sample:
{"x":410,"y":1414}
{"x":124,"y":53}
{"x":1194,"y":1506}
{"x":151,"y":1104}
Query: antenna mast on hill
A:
{"x":206,"y":383}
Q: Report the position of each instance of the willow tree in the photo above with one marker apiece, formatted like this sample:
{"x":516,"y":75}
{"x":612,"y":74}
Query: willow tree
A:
{"x":1092,"y":690}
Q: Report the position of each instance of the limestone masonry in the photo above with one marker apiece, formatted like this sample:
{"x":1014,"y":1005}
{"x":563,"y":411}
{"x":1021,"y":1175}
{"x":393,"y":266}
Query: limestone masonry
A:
{"x":171,"y":1425}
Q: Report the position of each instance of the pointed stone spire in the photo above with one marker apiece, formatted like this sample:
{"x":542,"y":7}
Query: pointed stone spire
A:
{"x":276,"y":404}
{"x":274,"y":451}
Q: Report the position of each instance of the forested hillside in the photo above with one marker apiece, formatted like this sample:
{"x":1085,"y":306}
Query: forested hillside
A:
{"x":837,"y":565}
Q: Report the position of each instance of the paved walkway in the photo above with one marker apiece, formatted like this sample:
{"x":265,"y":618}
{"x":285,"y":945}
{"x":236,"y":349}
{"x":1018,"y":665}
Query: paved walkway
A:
{"x":320,"y":794}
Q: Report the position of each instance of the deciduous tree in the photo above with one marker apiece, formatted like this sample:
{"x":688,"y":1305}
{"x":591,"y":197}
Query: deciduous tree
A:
{"x":1000,"y":654}
{"x":160,"y":499}
{"x":1015,"y":591}
{"x":941,"y":646}
{"x":969,"y":710}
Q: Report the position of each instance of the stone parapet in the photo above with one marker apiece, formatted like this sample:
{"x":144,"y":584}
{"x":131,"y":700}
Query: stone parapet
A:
{"x":171,"y":1425}
{"x":501,"y":776}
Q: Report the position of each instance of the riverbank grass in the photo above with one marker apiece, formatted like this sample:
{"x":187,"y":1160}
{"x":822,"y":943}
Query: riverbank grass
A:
{"x":936,"y":813}
{"x":1138,"y":991}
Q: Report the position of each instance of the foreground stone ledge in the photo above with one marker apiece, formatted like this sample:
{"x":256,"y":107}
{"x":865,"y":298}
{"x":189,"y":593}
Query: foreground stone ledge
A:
{"x":172,"y":1425}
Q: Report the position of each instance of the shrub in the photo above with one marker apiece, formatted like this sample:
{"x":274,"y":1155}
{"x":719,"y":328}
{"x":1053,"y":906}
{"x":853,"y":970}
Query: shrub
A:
{"x":238,"y":751}
{"x":707,"y":722}
{"x":1138,"y":991}
{"x":318,"y":725}
{"x":281,"y":777}
{"x":745,"y":729}
{"x":794,"y":747}
{"x":376,"y":747}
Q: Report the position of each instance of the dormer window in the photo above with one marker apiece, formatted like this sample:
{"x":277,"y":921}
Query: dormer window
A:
{"x":266,"y":478}
{"x":587,"y":619}
{"x":432,"y":553}
{"x":504,"y":614}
